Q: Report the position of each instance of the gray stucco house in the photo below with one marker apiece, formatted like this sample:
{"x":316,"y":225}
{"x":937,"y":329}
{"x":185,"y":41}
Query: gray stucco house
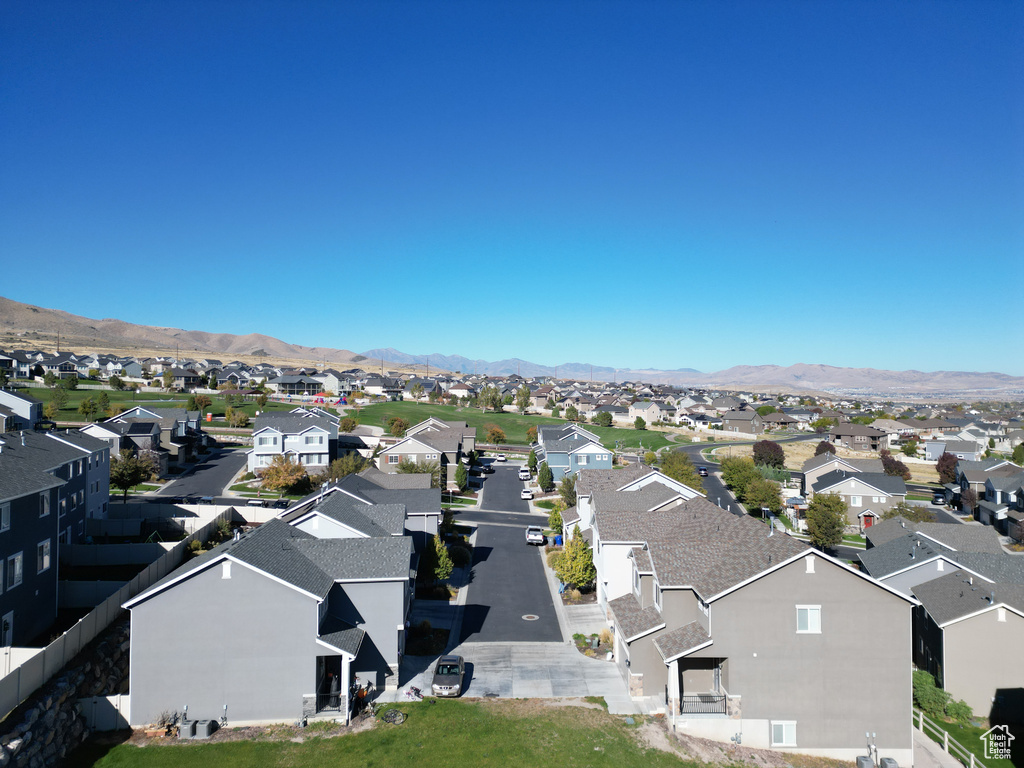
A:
{"x":260,"y":628}
{"x":738,"y":631}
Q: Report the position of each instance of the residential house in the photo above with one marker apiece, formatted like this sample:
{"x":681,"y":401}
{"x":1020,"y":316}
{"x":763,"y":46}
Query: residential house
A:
{"x":302,"y":438}
{"x":779,"y":420}
{"x":960,"y":617}
{"x":570,"y":448}
{"x":281,"y":622}
{"x":867,"y":494}
{"x":734,"y":628}
{"x":967,"y":450}
{"x":859,"y":437}
{"x":432,"y":440}
{"x":19,"y":410}
{"x":181,"y":430}
{"x":50,"y":484}
{"x":826,"y":462}
{"x":747,"y":421}
{"x":295,"y":385}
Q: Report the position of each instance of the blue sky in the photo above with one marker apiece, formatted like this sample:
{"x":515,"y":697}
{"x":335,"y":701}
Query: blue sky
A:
{"x":635,"y":184}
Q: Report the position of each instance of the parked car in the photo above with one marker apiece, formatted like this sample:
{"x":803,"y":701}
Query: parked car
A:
{"x":502,"y":457}
{"x":486,"y":469}
{"x":939,"y":498}
{"x":702,"y":471}
{"x":526,"y":493}
{"x":524,"y":473}
{"x":535,"y":535}
{"x":281,"y":504}
{"x":448,"y":676}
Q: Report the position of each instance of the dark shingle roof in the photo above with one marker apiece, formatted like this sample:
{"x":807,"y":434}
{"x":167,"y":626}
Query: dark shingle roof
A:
{"x":959,"y":594}
{"x":640,"y":500}
{"x":396,"y":479}
{"x":888,"y":484}
{"x":341,"y":635}
{"x":680,"y":641}
{"x":590,"y":480}
{"x":962,"y":538}
{"x":633,"y":619}
{"x":570,"y":516}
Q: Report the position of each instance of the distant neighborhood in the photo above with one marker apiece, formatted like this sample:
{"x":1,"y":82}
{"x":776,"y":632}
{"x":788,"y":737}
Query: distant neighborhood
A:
{"x":743,"y":549}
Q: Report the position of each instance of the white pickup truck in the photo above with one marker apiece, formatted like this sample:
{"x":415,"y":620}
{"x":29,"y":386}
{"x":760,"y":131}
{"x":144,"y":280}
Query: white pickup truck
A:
{"x":535,"y":535}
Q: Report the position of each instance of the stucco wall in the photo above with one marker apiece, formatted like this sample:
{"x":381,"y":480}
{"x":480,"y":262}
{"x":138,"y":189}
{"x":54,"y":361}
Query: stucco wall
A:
{"x":972,"y":670}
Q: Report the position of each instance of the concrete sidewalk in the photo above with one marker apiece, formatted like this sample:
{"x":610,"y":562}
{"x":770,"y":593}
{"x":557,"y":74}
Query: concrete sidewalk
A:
{"x":929,"y":754}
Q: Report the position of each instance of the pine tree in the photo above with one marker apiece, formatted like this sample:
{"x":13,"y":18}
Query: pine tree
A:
{"x":576,"y":566}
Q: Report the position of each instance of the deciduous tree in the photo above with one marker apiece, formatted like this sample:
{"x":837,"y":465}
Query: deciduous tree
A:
{"x":603,"y":419}
{"x":59,"y":397}
{"x":397,"y":426}
{"x":282,"y":474}
{"x":523,"y":398}
{"x":572,"y":413}
{"x":531,"y":435}
{"x":495,"y":435}
{"x":769,"y":453}
{"x":893,"y":466}
{"x":347,"y":424}
{"x":677,"y":465}
{"x":640,"y":423}
{"x":428,"y":467}
{"x":531,"y":460}
{"x":913,"y":512}
{"x":968,"y":499}
{"x":347,"y":465}
{"x":826,"y":520}
{"x":88,"y":408}
{"x":128,"y":470}
{"x":168,"y":379}
{"x":760,"y":494}
{"x":824,"y":447}
{"x":461,"y":476}
{"x":946,"y":467}
{"x":1018,"y":455}
{"x":567,"y":490}
{"x":116,"y":382}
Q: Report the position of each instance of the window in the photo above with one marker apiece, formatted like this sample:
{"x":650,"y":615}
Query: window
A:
{"x":784,"y":733}
{"x":43,"y":556}
{"x":808,"y":619}
{"x":268,"y":441}
{"x":14,"y":568}
{"x":657,"y":595}
{"x":5,"y":517}
{"x":581,"y":460}
{"x":393,"y":459}
{"x":44,"y":505}
{"x":314,"y":439}
{"x":855,"y":501}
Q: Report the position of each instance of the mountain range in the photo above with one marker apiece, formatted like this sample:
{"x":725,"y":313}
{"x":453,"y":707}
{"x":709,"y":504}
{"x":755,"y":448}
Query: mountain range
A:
{"x":28,"y":326}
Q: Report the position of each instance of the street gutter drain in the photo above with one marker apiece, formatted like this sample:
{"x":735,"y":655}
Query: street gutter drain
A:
{"x":530,"y":617}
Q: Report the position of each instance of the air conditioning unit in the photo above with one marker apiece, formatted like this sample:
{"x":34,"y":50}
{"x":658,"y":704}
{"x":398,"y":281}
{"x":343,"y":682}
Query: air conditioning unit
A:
{"x":187,"y":729}
{"x":888,"y":762}
{"x":205,"y":728}
{"x":863,"y":761}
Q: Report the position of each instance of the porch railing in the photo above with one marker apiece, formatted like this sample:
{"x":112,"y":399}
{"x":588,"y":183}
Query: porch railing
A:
{"x":703,"y":704}
{"x":330,"y":702}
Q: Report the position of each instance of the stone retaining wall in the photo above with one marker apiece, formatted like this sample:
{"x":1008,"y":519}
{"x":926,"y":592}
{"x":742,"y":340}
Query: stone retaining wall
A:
{"x":47,"y":727}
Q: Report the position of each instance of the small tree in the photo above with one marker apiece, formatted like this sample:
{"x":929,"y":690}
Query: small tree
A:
{"x":639,"y":423}
{"x":910,"y":448}
{"x":236,"y":418}
{"x":531,"y":435}
{"x":461,"y":477}
{"x":893,"y":466}
{"x":495,"y":434}
{"x":576,"y":566}
{"x":59,"y":397}
{"x":762,"y":494}
{"x":822,"y":425}
{"x":968,"y":500}
{"x":769,"y":453}
{"x":523,"y":398}
{"x":202,"y":402}
{"x":764,"y":410}
{"x":531,"y":461}
{"x":572,"y":413}
{"x":1018,"y":455}
{"x":116,"y":382}
{"x":555,"y":520}
{"x":738,"y":472}
{"x":50,"y":410}
{"x":429,"y":467}
{"x":282,"y":474}
{"x":555,"y":411}
{"x":103,"y":402}
{"x":70,"y":383}
{"x":347,"y":465}
{"x":603,"y":419}
{"x":946,"y":467}
{"x":397,"y":426}
{"x":417,"y":391}
{"x":544,"y":477}
{"x":826,"y":520}
{"x":128,"y":470}
{"x":567,"y":490}
{"x":88,"y":408}
{"x":262,"y":400}
{"x":347,"y":424}
{"x":168,"y":379}
{"x":824,"y":447}
{"x":443,"y":564}
{"x":677,"y":465}
{"x":50,"y":379}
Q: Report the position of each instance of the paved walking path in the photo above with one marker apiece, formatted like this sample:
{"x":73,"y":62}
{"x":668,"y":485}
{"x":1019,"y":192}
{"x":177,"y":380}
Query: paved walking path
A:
{"x":928,"y":754}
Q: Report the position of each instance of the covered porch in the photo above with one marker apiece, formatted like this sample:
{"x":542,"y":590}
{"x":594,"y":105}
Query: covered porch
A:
{"x":696,"y":685}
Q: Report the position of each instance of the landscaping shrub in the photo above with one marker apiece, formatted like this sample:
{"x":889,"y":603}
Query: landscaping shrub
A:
{"x":460,"y":555}
{"x":553,"y":557}
{"x":927,"y":696}
{"x":959,"y":711}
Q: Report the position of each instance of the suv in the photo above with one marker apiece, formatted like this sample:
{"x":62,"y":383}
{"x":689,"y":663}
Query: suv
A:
{"x":702,"y":471}
{"x":524,"y":473}
{"x":448,"y":676}
{"x":535,"y":535}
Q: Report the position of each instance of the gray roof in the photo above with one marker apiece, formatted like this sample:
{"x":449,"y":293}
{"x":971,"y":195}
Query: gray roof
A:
{"x":963,"y":538}
{"x":396,"y":479}
{"x":570,"y":516}
{"x":640,"y":500}
{"x":903,"y":552}
{"x":341,"y":635}
{"x":959,"y":594}
{"x":293,"y":424}
{"x":860,"y":465}
{"x":590,"y":480}
{"x":633,"y":619}
{"x":888,"y":484}
{"x":370,"y":520}
{"x":681,"y":641}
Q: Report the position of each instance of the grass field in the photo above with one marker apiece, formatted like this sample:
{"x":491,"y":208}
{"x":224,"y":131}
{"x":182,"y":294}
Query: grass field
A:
{"x":436,"y":733}
{"x":513,"y":424}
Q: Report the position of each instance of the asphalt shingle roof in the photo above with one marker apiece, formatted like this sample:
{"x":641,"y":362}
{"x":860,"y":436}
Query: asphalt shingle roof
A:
{"x":959,"y":594}
{"x":888,"y":484}
{"x":590,"y":480}
{"x":679,"y":641}
{"x":633,"y":619}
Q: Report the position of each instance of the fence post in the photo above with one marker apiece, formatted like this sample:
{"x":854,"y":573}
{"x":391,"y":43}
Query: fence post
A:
{"x":972,"y":760}
{"x":945,"y":741}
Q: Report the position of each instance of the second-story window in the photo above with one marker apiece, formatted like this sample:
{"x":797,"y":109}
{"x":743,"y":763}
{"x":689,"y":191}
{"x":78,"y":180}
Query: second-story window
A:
{"x":44,"y":505}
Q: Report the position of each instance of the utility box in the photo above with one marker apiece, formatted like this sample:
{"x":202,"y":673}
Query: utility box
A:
{"x":187,"y":729}
{"x":205,"y":728}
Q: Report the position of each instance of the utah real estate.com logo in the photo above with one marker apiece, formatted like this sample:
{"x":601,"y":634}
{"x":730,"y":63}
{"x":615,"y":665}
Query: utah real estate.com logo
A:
{"x":997,"y":742}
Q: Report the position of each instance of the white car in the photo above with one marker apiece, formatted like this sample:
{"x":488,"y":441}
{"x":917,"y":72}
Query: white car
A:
{"x":502,"y":457}
{"x":535,"y":535}
{"x":526,"y":494}
{"x":524,"y":474}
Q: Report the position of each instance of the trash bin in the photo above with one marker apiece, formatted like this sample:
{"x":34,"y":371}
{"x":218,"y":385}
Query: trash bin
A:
{"x":558,"y":540}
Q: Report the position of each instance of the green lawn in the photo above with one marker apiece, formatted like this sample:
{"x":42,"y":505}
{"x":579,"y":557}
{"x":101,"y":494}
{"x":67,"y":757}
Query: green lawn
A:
{"x":513,"y":424}
{"x":969,"y":737}
{"x":436,"y":733}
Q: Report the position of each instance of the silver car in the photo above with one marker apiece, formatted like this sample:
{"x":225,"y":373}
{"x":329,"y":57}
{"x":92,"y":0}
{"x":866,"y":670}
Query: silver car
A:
{"x":448,"y":676}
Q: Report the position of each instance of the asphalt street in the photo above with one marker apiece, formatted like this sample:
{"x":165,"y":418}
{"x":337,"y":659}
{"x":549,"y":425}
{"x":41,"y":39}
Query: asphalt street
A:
{"x":508,"y":598}
{"x":209,"y":478}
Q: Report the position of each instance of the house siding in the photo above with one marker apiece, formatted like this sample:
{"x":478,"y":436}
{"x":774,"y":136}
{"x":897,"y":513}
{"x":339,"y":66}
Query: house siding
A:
{"x":260,"y":669}
{"x":970,"y":673}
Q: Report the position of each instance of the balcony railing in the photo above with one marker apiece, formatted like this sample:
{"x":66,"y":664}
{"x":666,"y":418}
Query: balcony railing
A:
{"x":330,"y":702}
{"x":703,"y":704}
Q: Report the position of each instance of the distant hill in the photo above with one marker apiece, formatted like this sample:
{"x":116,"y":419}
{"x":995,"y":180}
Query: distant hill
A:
{"x":28,"y":326}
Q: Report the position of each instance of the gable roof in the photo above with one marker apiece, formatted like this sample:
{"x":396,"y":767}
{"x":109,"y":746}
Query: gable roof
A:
{"x":590,"y":480}
{"x":855,"y":465}
{"x":887,"y":484}
{"x":958,"y":595}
